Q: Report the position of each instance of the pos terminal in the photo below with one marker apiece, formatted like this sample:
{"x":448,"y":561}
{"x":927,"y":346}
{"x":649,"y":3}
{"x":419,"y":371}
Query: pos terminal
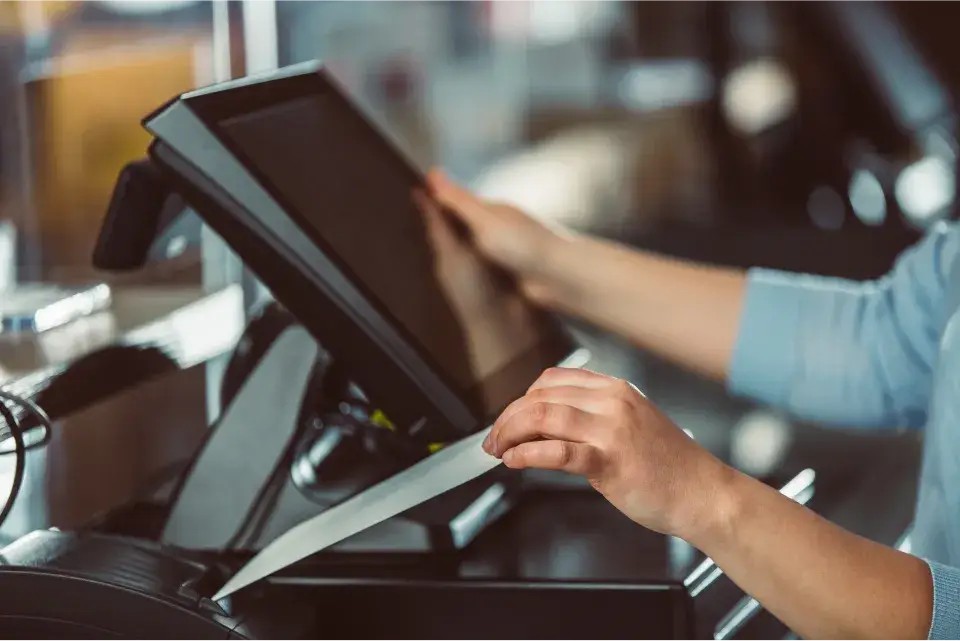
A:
{"x":322,"y":208}
{"x":375,"y":357}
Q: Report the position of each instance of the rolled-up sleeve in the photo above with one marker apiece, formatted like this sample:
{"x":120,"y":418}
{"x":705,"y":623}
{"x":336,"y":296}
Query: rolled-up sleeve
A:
{"x":946,"y":602}
{"x":842,"y":352}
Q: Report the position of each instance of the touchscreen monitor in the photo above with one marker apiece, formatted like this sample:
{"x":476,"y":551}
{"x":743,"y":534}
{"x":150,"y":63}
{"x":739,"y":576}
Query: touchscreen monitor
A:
{"x":353,"y":194}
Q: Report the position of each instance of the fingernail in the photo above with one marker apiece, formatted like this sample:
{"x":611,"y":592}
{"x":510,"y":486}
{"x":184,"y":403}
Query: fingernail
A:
{"x":486,"y":444}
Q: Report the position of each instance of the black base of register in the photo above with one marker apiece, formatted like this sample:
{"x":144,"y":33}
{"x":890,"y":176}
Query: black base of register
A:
{"x":485,"y":609}
{"x":561,"y":564}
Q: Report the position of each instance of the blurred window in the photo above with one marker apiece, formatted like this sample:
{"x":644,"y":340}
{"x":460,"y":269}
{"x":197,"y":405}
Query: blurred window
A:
{"x":79,"y":77}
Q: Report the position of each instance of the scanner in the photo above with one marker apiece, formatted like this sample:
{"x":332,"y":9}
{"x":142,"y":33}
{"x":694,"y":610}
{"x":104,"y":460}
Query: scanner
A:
{"x":366,"y":360}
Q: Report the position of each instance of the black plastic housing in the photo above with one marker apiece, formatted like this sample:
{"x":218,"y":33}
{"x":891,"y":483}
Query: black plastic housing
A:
{"x":58,"y":585}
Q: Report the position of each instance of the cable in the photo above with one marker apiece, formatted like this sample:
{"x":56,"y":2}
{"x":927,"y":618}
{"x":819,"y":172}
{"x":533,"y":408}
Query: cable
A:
{"x":19,"y":444}
{"x":21,"y":453}
{"x":42,"y":417}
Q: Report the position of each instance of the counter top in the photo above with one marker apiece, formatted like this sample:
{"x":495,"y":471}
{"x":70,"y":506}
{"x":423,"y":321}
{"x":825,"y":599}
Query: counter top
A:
{"x":153,"y":329}
{"x":573,"y":534}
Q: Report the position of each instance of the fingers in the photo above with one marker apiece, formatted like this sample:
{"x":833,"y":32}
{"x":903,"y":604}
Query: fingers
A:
{"x":575,"y":458}
{"x":471,"y":210}
{"x":541,"y":420}
{"x":568,"y":376}
{"x":581,"y":398}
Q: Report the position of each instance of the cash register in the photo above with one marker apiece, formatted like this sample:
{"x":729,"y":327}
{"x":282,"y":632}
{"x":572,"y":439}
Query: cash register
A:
{"x":374,"y":360}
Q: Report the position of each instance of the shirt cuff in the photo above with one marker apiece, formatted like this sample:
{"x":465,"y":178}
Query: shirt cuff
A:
{"x":946,"y":602}
{"x":764,"y":358}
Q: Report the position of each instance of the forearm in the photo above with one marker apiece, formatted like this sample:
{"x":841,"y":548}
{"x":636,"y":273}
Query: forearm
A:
{"x":820,"y":580}
{"x":685,"y":313}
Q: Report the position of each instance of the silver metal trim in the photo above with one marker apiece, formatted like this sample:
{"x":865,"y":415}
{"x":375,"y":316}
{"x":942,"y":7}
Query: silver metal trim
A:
{"x":221,"y":267}
{"x":739,"y":616}
{"x":298,"y":69}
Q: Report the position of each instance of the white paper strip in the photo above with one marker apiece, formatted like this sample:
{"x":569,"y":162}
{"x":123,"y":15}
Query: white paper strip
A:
{"x":450,"y":467}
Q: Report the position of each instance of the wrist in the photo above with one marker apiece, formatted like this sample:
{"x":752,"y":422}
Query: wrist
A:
{"x":547,"y":281}
{"x":721,"y":504}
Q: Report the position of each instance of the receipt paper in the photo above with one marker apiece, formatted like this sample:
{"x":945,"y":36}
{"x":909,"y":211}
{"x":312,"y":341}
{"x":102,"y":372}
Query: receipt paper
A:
{"x":438,"y":473}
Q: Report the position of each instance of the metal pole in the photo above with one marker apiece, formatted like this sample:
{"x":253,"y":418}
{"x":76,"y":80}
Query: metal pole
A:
{"x":221,"y":267}
{"x":262,"y":54}
{"x":260,"y":38}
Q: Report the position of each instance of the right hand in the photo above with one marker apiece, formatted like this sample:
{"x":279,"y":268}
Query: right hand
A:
{"x":504,"y":235}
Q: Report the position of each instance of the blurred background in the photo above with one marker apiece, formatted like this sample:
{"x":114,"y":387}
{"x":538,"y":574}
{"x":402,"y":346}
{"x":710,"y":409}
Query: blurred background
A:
{"x":658,"y":123}
{"x":813,"y":136}
{"x":809,"y":136}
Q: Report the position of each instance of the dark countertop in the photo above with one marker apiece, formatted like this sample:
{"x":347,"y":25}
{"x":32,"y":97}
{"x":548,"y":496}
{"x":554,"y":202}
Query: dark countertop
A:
{"x":573,"y":534}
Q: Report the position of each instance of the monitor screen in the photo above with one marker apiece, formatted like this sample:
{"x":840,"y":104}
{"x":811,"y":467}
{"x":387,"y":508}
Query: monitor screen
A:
{"x":354,"y":195}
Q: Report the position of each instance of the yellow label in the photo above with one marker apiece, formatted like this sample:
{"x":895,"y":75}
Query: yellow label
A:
{"x":380,"y":419}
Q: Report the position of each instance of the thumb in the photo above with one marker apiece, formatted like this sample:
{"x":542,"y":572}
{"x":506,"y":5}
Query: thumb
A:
{"x":470,"y":209}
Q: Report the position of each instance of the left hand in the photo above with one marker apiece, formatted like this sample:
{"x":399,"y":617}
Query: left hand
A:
{"x":491,"y":310}
{"x":605,"y":430}
{"x":466,"y":278}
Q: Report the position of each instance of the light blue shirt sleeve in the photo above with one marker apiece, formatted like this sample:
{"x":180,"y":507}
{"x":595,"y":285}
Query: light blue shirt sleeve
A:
{"x":946,"y":602}
{"x":845,"y":353}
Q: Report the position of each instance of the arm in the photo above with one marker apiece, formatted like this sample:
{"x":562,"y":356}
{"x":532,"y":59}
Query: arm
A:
{"x":826,"y":350}
{"x":818,"y":579}
{"x":823,"y":349}
{"x":680,"y":311}
{"x":684,"y":312}
{"x":834,"y":351}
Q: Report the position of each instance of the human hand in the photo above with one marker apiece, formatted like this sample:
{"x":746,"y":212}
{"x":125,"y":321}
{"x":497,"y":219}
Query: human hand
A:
{"x":466,"y":277}
{"x":504,"y":235}
{"x":605,"y":430}
{"x":492,"y":313}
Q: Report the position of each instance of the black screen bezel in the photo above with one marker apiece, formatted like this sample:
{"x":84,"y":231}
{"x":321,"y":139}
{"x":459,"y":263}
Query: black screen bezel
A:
{"x":216,"y":106}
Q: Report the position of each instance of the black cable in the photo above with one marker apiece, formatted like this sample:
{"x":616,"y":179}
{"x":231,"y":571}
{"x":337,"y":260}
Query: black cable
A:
{"x":20,"y":450}
{"x":19,"y":443}
{"x":42,"y":417}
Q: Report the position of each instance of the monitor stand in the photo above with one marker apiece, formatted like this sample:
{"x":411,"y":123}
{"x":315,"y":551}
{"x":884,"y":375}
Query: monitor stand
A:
{"x":272,"y":461}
